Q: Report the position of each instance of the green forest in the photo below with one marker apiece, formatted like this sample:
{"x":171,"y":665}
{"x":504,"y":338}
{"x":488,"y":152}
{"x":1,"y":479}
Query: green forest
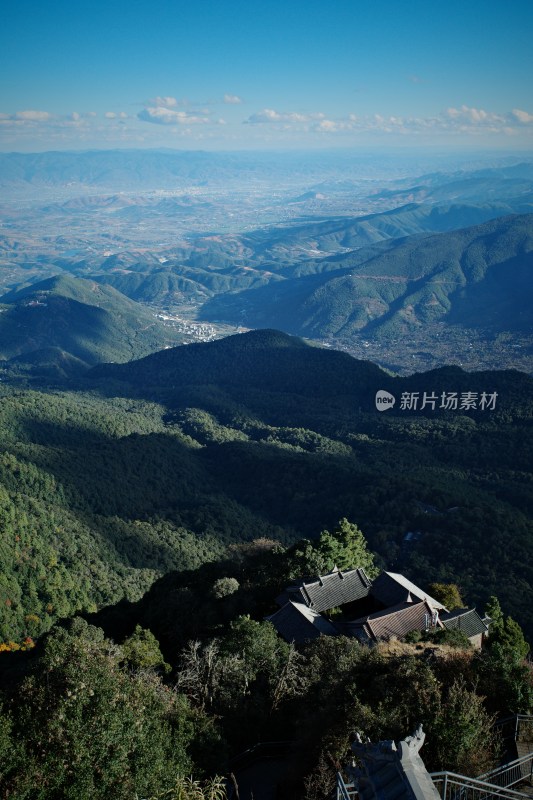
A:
{"x":151,"y":512}
{"x":136,"y":469}
{"x":131,"y":701}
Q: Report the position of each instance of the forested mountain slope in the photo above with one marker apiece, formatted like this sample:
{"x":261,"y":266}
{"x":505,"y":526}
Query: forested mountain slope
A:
{"x":162,"y":463}
{"x":477,"y":277}
{"x":312,"y":238}
{"x":80,"y":319}
{"x":209,"y":266}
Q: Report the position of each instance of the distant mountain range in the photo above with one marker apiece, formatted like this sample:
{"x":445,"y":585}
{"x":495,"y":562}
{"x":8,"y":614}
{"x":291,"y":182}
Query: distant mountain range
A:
{"x":412,"y":269}
{"x":329,"y":173}
{"x":218,"y":266}
{"x":331,"y":236}
{"x":345,"y":281}
{"x":473,"y":186}
{"x":477,"y":277}
{"x":126,"y":170}
{"x":119,"y":169}
{"x":73,"y":323}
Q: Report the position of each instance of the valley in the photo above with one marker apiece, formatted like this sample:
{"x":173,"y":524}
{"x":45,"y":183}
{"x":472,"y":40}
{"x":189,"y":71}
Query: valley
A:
{"x":356,"y":254}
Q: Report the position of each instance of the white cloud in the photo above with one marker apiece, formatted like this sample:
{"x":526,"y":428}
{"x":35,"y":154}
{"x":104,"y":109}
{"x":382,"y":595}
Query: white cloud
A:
{"x":463,"y":120}
{"x":32,"y":116}
{"x":473,"y":115}
{"x":522,"y":116}
{"x":166,"y":102}
{"x":115,"y":115}
{"x":166,"y":116}
{"x":232,"y":99}
{"x":327,"y":125}
{"x":269,"y":115}
{"x":177,"y":118}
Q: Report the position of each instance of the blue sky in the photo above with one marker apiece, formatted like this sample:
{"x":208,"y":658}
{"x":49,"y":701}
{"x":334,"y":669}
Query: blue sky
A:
{"x":292,"y":74}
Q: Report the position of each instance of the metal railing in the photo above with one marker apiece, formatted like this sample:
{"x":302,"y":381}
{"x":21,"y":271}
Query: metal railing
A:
{"x":344,"y":791}
{"x":458,"y":787}
{"x":517,"y":771}
{"x":518,"y":727}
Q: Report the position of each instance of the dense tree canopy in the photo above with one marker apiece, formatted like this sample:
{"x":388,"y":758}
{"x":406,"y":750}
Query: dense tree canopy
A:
{"x":84,"y":725}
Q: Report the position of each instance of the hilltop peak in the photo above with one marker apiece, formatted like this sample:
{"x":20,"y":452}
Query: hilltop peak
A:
{"x":262,"y":338}
{"x":82,"y":290}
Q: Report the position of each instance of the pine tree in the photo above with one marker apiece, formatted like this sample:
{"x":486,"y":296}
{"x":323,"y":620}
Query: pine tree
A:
{"x":346,"y":548}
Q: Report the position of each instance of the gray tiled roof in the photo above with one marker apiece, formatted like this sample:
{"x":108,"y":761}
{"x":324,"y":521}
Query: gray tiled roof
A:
{"x":396,"y":621}
{"x":466,"y":620}
{"x":328,"y":591}
{"x":297,"y":623}
{"x":390,"y":588}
